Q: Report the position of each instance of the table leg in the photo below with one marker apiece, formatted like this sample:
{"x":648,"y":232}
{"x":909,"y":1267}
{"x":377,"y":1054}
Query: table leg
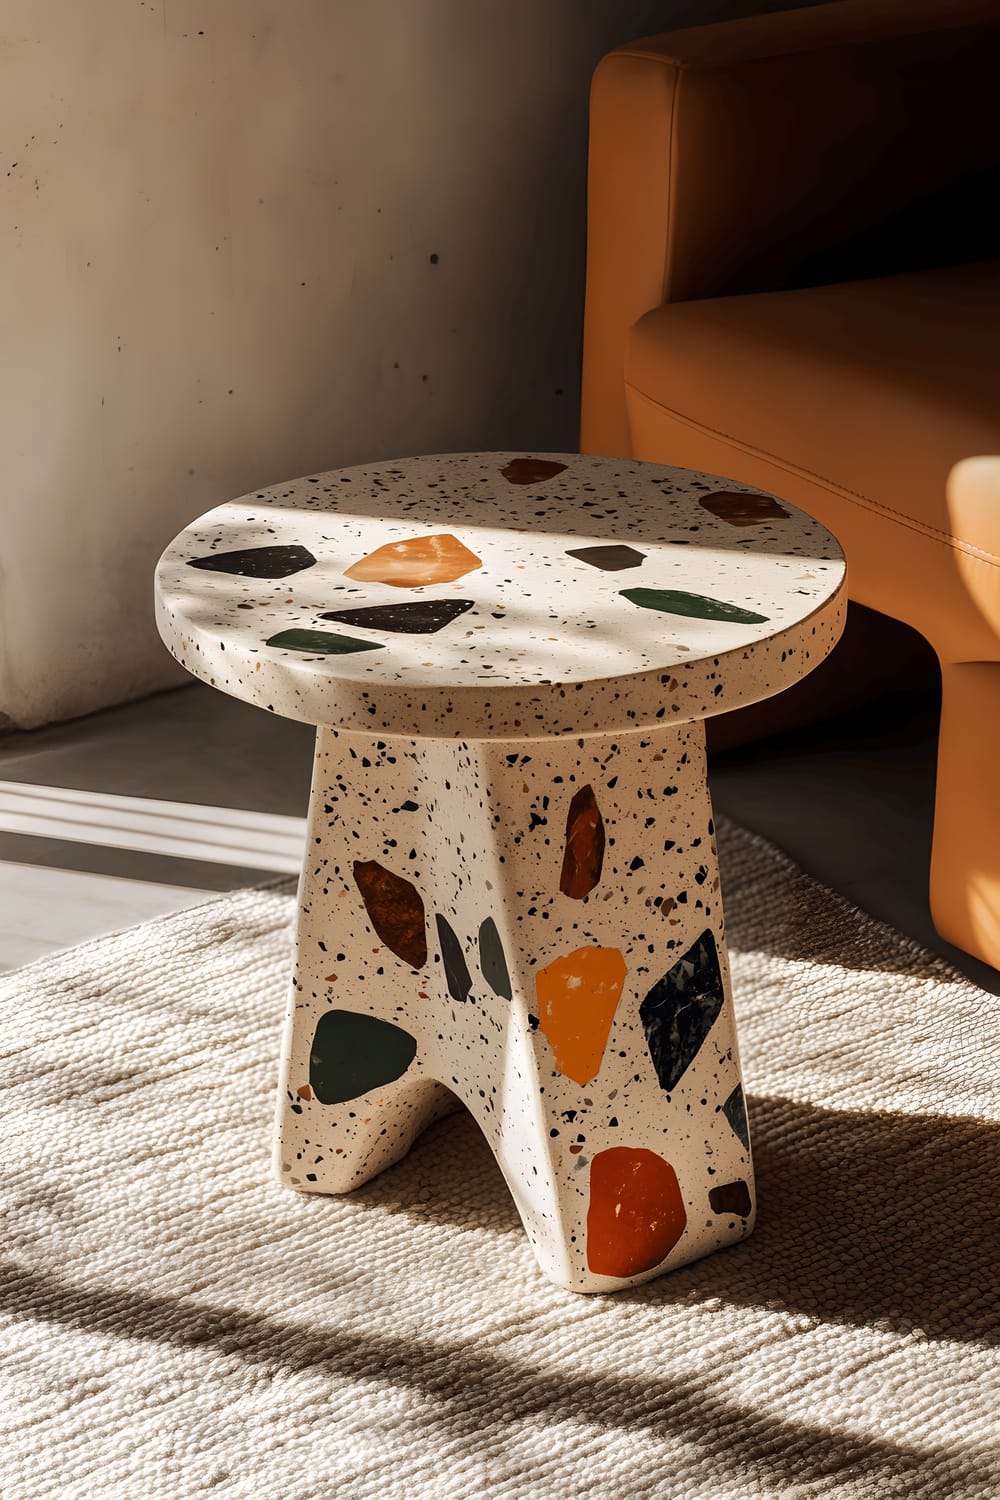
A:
{"x":534,"y":927}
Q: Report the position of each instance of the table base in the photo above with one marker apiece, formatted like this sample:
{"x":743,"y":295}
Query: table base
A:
{"x":533,"y":928}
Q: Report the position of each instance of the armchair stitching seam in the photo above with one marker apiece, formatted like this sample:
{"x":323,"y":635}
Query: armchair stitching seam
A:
{"x":855,"y":497}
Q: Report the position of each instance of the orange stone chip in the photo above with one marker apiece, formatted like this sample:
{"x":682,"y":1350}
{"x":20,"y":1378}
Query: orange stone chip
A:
{"x":577,"y":999}
{"x":636,"y":1214}
{"x":421,"y":559}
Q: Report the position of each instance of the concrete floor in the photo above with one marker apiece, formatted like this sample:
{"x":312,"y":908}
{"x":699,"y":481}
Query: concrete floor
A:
{"x":92,"y":837}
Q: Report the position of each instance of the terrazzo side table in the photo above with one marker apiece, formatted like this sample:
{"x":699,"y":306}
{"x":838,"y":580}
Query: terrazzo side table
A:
{"x":511,"y":890}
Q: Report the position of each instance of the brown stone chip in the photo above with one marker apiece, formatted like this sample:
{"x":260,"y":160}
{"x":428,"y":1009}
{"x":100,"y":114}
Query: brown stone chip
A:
{"x":731,"y":1198}
{"x":531,"y":470}
{"x":584,"y":857}
{"x":395,"y":910}
{"x":740,"y":509}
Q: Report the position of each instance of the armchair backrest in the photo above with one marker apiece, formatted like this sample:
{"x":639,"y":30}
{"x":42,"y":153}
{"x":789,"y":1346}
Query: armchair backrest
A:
{"x":844,"y":140}
{"x":882,"y":151}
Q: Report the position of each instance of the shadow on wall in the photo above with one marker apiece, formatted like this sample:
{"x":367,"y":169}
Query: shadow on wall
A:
{"x":264,"y":242}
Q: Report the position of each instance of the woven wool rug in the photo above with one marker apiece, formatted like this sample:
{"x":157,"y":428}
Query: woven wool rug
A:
{"x":175,"y":1324}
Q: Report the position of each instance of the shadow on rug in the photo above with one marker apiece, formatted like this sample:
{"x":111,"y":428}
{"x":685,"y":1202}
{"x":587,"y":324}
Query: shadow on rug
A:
{"x":176,"y":1323}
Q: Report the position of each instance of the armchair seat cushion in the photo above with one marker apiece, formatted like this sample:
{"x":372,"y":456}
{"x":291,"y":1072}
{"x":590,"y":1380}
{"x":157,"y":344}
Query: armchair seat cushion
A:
{"x":854,"y":401}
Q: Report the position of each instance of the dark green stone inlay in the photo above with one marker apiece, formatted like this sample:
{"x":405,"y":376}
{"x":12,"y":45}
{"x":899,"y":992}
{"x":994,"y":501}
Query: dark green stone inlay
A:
{"x":456,"y":970}
{"x":694,"y":606}
{"x":422,"y":617}
{"x":257,"y":562}
{"x":681,"y":1008}
{"x":353,"y":1054}
{"x":610,"y":558}
{"x":320,"y":642}
{"x":735,"y":1111}
{"x":492,"y":960}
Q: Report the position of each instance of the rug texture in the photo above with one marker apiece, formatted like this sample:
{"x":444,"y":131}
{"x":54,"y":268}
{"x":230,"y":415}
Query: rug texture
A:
{"x":176,"y":1324}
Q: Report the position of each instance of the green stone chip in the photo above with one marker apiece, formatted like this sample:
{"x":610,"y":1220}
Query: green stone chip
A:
{"x":694,"y":606}
{"x":321,"y":642}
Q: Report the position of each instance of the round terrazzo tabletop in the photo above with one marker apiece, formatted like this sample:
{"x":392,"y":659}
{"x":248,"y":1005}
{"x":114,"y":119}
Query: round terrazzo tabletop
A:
{"x":501,"y":595}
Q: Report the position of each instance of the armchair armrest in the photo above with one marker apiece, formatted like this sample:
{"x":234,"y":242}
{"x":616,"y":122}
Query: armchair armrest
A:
{"x":973,"y":495}
{"x":732,"y":158}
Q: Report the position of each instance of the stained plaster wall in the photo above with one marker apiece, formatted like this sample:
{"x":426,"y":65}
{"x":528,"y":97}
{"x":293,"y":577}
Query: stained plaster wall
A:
{"x":242,"y":240}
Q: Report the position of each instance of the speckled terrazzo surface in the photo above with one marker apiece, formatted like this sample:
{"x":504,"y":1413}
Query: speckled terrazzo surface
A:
{"x":500,"y":594}
{"x":536,"y":930}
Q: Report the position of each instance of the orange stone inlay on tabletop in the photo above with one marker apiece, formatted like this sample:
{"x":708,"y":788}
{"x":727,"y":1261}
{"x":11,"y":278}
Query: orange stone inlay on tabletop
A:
{"x":418,"y":560}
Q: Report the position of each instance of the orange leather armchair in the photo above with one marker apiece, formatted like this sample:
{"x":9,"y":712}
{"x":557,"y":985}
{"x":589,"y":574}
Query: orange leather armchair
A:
{"x":793,"y":280}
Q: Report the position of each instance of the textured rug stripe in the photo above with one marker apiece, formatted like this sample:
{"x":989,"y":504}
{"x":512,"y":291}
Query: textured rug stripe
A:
{"x":174,"y":1324}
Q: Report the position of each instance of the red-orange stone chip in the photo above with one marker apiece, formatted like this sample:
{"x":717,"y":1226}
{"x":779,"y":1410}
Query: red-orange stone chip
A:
{"x":636,"y":1213}
{"x":417,"y":560}
{"x":531,"y":470}
{"x":584,"y":857}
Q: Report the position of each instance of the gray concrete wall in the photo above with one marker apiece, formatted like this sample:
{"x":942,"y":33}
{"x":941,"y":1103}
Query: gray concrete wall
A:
{"x":217,"y":269}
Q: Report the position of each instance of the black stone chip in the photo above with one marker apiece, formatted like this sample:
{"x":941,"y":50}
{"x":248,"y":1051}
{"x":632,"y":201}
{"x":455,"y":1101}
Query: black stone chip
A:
{"x":681,"y":1008}
{"x":610,"y":558}
{"x":422,"y":617}
{"x":257,"y":562}
{"x":456,"y":970}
